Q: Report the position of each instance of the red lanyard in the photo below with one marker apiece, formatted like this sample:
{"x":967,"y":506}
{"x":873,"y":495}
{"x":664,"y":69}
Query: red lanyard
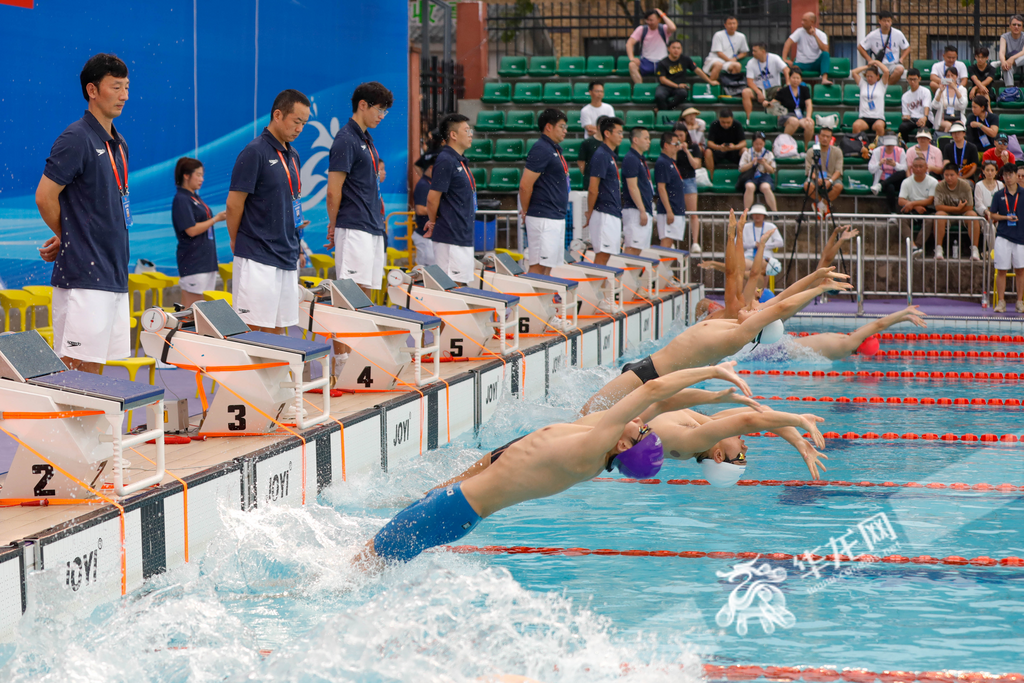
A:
{"x":298,"y":179}
{"x":1016,"y":198}
{"x":374,"y":158}
{"x":196,"y":197}
{"x":565,"y":166}
{"x":472,"y":180}
{"x":117,"y":176}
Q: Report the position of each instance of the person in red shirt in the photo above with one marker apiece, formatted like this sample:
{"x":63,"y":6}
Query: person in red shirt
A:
{"x":999,"y":154}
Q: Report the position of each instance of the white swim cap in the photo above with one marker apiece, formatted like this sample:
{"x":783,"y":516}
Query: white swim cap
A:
{"x":772,"y":267}
{"x":721,"y":474}
{"x":771,"y":333}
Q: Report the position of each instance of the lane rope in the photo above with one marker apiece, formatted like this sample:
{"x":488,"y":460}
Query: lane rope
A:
{"x":895,"y":400}
{"x":956,"y":486}
{"x":912,"y":436}
{"x":891,"y":374}
{"x":740,"y":672}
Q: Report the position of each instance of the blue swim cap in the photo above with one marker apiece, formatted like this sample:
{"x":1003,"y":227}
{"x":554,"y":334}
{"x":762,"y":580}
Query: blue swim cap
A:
{"x":766,"y":294}
{"x":643,"y":459}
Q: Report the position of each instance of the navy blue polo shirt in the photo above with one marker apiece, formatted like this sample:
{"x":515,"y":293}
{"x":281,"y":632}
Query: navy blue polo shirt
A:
{"x":550,"y":198}
{"x":195,"y":254}
{"x":353,"y":153}
{"x":634,"y":166}
{"x":451,"y":177}
{"x":1005,"y":204}
{"x":267,"y":233}
{"x":666,"y":171}
{"x":94,"y":240}
{"x":419,"y":196}
{"x":604,"y":166}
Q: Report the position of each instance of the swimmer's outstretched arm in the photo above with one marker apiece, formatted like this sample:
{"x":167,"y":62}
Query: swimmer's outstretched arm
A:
{"x":839,"y":236}
{"x":735,"y":266}
{"x":757,"y":268}
{"x":805,"y":283}
{"x":709,"y":433}
{"x":688,"y":398}
{"x":794,"y":438}
{"x":748,"y":329}
{"x":838,"y":346}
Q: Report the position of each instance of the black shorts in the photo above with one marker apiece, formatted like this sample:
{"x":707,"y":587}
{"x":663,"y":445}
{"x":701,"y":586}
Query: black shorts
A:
{"x":643,"y":368}
{"x":871,"y":122}
{"x":732,"y":157}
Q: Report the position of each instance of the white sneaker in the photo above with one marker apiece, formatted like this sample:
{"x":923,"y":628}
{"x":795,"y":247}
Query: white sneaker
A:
{"x":916,"y":251}
{"x":695,"y":249}
{"x":939,"y":254}
{"x":1020,"y":305}
{"x":892,"y":222}
{"x":876,"y":188}
{"x":975,"y":255}
{"x":999,"y":307}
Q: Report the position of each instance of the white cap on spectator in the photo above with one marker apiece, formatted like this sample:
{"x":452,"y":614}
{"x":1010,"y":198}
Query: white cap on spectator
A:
{"x":757,"y":208}
{"x":923,"y":133}
{"x":957,"y":128}
{"x":889,"y":140}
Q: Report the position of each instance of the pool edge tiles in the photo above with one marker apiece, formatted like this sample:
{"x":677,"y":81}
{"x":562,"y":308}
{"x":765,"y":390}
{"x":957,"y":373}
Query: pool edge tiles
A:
{"x":84,"y":554}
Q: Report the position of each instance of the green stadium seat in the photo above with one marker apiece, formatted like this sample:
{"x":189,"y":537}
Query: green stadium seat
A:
{"x":811,"y":73}
{"x":619,"y":114}
{"x":600,"y":66}
{"x":572,"y":66}
{"x":857,"y":182}
{"x":708,"y":116}
{"x":848,"y":118}
{"x":512,"y":67}
{"x":925,"y":67}
{"x":573,"y":121}
{"x":480,"y":178}
{"x":760,"y":121}
{"x":725,"y":180}
{"x":643,"y":93}
{"x":521,"y":121}
{"x":557,"y":93}
{"x":702,"y":92}
{"x":527,"y":93}
{"x":893,"y":119}
{"x":790,"y":180}
{"x":509,"y":149}
{"x":831,"y":95}
{"x":580,"y":91}
{"x":793,"y":161}
{"x":655,"y":151}
{"x":575,"y":178}
{"x":482,"y":150}
{"x":622,"y":66}
{"x":851,"y":95}
{"x":665,"y":120}
{"x":529,"y":145}
{"x":504,"y":180}
{"x":829,"y":113}
{"x":839,"y":68}
{"x":571,"y":148}
{"x":894,"y":96}
{"x":1011,"y":124}
{"x":490,"y":120}
{"x":617,"y":93}
{"x":624,"y":147}
{"x":496,"y":93}
{"x":542,"y":67}
{"x":699,"y":61}
{"x":642,"y":117}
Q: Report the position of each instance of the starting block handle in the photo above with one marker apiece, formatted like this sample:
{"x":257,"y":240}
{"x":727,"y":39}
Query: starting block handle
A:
{"x":155,"y":416}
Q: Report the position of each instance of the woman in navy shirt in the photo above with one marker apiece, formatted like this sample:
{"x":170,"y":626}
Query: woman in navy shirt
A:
{"x":193,"y":224}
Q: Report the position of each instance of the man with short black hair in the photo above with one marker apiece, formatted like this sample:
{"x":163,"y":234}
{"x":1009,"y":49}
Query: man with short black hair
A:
{"x":728,"y":47}
{"x":765,"y":74}
{"x":888,"y":45}
{"x":917,"y":197}
{"x":828,"y":178}
{"x":671,"y":205}
{"x":672,"y":88}
{"x":726,"y":142}
{"x":544,"y":195}
{"x":653,"y":40}
{"x":451,"y":203}
{"x":265,"y":218}
{"x":915,"y":104}
{"x":948,"y":61}
{"x":954,"y":196}
{"x":424,"y":247}
{"x":83,"y":198}
{"x":597,"y":108}
{"x":637,"y":193}
{"x":604,"y":200}
{"x":1011,"y":51}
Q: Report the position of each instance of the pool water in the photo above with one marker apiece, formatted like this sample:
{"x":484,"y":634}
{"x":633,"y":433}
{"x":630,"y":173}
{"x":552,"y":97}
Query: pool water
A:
{"x":275,"y":599}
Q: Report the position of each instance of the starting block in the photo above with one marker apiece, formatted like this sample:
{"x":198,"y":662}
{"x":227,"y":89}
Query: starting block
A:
{"x":673,"y":265}
{"x":264,"y":369}
{"x":340,"y":307}
{"x":641,"y":272}
{"x":72,"y":418}
{"x":508,"y":276}
{"x":471,"y":316}
{"x":600,"y":286}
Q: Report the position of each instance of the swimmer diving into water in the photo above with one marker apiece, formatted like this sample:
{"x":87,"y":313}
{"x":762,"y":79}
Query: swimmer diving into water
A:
{"x":837,"y":346}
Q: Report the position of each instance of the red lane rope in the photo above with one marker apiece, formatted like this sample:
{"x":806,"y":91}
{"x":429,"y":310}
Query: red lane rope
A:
{"x":889,"y":337}
{"x":952,"y":560}
{"x":911,"y":436}
{"x":740,"y":672}
{"x":956,"y":486}
{"x":908,"y":401}
{"x":891,"y":374}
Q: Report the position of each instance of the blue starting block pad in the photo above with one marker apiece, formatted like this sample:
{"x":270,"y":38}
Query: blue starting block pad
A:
{"x":598,"y":266}
{"x":568,"y":284}
{"x":508,"y":299}
{"x":129,"y":394}
{"x":309,"y":350}
{"x":426,"y":321}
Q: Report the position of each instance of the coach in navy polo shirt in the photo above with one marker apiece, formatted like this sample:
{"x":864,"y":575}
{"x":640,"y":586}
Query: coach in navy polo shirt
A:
{"x":671,"y":205}
{"x":83,"y":198}
{"x":193,"y":226}
{"x":264,"y":219}
{"x":424,"y":247}
{"x":544,"y":195}
{"x":451,"y":202}
{"x":604,"y":204}
{"x":637,"y":193}
{"x":355,"y":209}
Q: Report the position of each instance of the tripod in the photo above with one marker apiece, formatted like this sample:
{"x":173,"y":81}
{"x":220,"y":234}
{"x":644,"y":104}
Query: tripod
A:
{"x":817,"y":178}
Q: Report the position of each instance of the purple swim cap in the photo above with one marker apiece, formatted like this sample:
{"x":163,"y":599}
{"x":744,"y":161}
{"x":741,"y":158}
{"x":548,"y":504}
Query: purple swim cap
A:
{"x":643,"y":459}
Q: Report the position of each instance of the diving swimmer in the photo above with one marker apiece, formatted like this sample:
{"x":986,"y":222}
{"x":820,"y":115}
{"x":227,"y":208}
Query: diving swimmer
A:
{"x":837,"y":346}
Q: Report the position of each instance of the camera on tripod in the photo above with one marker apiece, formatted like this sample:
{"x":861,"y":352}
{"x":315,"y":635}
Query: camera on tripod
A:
{"x":816,"y":152}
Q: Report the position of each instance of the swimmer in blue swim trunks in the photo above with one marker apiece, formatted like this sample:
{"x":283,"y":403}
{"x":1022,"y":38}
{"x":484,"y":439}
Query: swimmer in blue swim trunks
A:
{"x":543,"y":463}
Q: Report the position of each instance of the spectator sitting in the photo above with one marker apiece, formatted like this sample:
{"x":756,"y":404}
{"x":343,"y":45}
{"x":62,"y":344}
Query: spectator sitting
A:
{"x":887,"y":45}
{"x":653,"y":39}
{"x":872,"y":97}
{"x":694,"y":126}
{"x":689,"y":160}
{"x":962,"y":154}
{"x":757,"y":173}
{"x":889,"y":164}
{"x":810,"y":47}
{"x":927,"y":151}
{"x":983,"y":125}
{"x":726,"y":141}
{"x":1011,"y":56}
{"x":1009,"y":246}
{"x":672,"y":89}
{"x":954,"y":196}
{"x":980,"y":75}
{"x":596,"y":109}
{"x":754,"y":229}
{"x":950,"y":103}
{"x":949,"y":61}
{"x":915,"y":103}
{"x":728,"y":47}
{"x":917,"y":196}
{"x":829,"y":178}
{"x":986,"y":188}
{"x":999,"y":154}
{"x":587,"y":149}
{"x":796,"y":99}
{"x":764,"y":77}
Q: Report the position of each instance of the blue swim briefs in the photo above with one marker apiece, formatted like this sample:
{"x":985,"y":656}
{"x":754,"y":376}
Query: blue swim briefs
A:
{"x":439,"y":518}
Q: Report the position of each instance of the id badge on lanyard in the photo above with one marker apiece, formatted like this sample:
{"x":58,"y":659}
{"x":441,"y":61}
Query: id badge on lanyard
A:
{"x":982,"y":138}
{"x":125,"y":204}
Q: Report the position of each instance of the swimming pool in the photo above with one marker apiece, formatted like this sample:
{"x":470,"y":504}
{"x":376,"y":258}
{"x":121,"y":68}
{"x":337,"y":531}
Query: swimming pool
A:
{"x":274,"y":597}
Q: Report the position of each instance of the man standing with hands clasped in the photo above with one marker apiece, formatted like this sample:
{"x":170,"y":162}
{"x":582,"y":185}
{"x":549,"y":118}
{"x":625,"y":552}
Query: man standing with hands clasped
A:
{"x":638,"y":194}
{"x":83,"y":198}
{"x":451,"y":203}
{"x":544,"y":195}
{"x":604,"y":201}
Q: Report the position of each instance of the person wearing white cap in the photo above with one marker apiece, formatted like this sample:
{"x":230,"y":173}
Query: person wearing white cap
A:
{"x":962,"y":154}
{"x":889,"y":164}
{"x":929,"y":152}
{"x":752,"y":232}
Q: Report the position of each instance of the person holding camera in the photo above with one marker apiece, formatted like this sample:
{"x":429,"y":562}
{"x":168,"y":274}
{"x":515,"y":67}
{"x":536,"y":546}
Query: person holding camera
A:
{"x":888,"y":45}
{"x":950,"y":102}
{"x":824,"y":169}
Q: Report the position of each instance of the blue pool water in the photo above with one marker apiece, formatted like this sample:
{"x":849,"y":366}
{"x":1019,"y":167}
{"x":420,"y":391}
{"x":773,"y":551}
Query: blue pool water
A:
{"x":274,"y":597}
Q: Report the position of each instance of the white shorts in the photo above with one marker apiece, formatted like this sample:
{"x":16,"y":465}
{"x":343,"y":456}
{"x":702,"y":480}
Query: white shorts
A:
{"x":198,"y":283}
{"x":1009,"y":256}
{"x":633,"y":234}
{"x":264,"y":296}
{"x":359,"y":256}
{"x":708,"y":63}
{"x":457,"y":262}
{"x":605,"y":233}
{"x":424,"y":250}
{"x":674,"y":230}
{"x":91,"y":325}
{"x":546,"y":239}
